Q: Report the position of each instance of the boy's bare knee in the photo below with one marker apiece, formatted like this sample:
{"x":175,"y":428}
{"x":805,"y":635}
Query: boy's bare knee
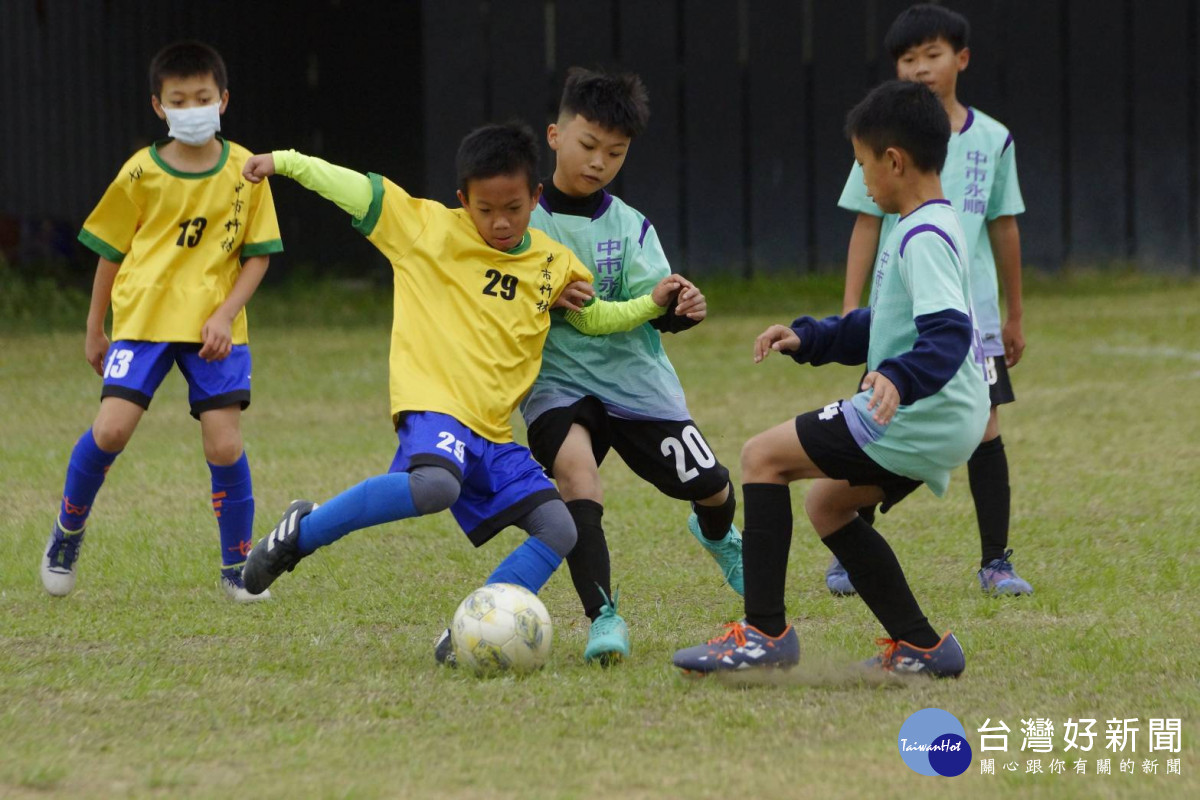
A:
{"x":756,"y":460}
{"x":112,"y":435}
{"x":224,"y":451}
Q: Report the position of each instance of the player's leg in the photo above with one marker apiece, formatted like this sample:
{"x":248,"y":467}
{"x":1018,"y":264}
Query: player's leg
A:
{"x":770,"y":461}
{"x":425,"y":477}
{"x":913,"y":646}
{"x":132,"y":373}
{"x":674,"y":457}
{"x":232,"y":495}
{"x":987,"y":470}
{"x":852,"y":480}
{"x":573,"y":441}
{"x":506,"y":486}
{"x":218,"y":392}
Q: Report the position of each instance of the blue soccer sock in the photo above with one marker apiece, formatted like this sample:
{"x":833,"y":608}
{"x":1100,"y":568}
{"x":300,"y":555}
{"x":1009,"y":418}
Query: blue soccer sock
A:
{"x":85,"y":474}
{"x":384,"y":498}
{"x":233,"y":503}
{"x":530,"y":565}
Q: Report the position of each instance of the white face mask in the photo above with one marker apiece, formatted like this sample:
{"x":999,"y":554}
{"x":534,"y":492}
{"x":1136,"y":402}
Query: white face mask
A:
{"x":194,"y":126}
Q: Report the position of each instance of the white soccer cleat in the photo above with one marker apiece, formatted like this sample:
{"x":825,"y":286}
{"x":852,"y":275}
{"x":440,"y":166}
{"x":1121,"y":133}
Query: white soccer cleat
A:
{"x":58,"y":560}
{"x":235,"y":589}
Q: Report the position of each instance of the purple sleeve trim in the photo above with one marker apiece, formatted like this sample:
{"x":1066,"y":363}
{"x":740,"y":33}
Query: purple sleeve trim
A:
{"x":1007,"y":142}
{"x":968,"y":121}
{"x":545,"y":205}
{"x":922,"y":229}
{"x":605,"y":202}
{"x":645,"y":229}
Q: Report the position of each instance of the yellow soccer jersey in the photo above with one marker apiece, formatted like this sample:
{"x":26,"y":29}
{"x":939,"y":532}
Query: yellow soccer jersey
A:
{"x":178,"y":237}
{"x":470,"y":320}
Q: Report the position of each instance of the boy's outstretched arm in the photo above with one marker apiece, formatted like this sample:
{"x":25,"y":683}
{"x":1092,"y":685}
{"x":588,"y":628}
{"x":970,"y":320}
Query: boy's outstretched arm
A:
{"x":864,"y":243}
{"x":1006,"y":247}
{"x":601,"y":316}
{"x":840,"y":340}
{"x":350,"y":190}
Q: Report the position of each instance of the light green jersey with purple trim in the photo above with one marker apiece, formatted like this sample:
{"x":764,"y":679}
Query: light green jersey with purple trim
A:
{"x":921,"y":270}
{"x":629,"y":372}
{"x":980,"y":178}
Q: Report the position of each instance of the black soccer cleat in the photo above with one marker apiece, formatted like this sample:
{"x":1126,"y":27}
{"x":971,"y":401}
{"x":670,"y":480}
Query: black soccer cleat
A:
{"x":279,"y":552}
{"x":443,"y":650}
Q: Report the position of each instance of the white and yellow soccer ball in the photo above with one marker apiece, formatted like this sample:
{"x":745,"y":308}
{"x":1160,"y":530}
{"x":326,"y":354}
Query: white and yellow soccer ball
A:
{"x":501,"y":627}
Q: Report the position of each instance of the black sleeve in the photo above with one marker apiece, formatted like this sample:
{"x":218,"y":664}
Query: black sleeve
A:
{"x":671,"y":323}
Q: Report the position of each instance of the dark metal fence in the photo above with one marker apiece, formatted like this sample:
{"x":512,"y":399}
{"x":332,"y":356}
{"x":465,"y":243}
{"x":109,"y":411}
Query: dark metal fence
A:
{"x":744,"y":159}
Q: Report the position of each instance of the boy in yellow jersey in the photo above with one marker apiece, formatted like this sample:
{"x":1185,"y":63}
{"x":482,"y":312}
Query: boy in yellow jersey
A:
{"x":473,"y":291}
{"x":183,"y":242}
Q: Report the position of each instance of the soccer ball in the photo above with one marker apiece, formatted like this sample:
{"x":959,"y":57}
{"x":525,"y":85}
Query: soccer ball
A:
{"x":501,"y":627}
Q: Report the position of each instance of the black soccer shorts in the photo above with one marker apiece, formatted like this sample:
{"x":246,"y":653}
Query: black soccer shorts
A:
{"x":670,"y":454}
{"x":999,"y":385}
{"x":828,"y":441}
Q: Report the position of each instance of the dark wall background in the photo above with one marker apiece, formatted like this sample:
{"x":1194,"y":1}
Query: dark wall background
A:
{"x":744,"y":159}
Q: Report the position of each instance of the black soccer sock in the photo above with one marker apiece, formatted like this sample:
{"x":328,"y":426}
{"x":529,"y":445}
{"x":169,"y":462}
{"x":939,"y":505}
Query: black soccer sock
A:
{"x":988,"y":473}
{"x":588,"y":561}
{"x":876,"y":574}
{"x":715,"y":521}
{"x":765,"y":545}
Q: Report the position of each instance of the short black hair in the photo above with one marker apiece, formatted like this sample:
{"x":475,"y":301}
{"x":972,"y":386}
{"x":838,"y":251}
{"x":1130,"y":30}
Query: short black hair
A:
{"x":616,"y":101}
{"x":923,"y":23}
{"x":905,"y":115}
{"x":493,"y":150}
{"x":183,"y":60}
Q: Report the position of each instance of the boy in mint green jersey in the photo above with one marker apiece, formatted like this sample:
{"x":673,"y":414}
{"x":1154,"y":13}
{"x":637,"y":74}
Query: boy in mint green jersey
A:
{"x":617,"y":391}
{"x":929,"y":45}
{"x":920,"y":412}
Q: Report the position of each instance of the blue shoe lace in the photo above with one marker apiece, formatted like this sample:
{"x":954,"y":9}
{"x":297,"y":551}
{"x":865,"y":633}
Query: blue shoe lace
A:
{"x":998,"y":572}
{"x":65,"y":549}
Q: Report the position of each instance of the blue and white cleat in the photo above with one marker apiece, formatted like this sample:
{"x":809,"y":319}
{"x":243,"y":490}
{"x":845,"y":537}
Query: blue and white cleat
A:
{"x":608,"y":636}
{"x":944,"y":660}
{"x":58,"y":560}
{"x":727,"y":553}
{"x":837,"y":580}
{"x":999,"y":578}
{"x":741,"y":647}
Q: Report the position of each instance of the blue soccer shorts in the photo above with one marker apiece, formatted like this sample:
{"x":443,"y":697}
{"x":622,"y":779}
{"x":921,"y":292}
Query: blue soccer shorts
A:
{"x":133,"y":371}
{"x":500,"y":482}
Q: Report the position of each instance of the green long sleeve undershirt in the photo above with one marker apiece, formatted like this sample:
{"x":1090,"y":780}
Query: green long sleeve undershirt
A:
{"x":351,"y":192}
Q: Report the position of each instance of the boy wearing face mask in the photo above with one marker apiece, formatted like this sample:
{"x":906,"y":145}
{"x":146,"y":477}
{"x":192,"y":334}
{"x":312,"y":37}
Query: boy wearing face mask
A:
{"x":183,"y":241}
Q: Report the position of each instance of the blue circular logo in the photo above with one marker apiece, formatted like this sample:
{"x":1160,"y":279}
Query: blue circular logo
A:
{"x":934,"y":742}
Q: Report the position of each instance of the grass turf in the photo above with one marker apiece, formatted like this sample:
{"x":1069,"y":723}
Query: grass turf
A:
{"x":147,"y":682}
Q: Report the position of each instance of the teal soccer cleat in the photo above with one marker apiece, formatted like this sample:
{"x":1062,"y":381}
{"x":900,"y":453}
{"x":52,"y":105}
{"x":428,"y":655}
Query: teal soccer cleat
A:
{"x":726,"y":552}
{"x":608,"y":637}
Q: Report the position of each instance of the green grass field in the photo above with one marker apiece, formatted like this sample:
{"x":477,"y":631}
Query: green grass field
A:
{"x":148,"y":682}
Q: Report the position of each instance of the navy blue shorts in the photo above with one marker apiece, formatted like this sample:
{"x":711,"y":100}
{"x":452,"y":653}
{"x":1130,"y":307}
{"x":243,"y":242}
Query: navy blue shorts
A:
{"x":500,"y":482}
{"x":133,"y":371}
